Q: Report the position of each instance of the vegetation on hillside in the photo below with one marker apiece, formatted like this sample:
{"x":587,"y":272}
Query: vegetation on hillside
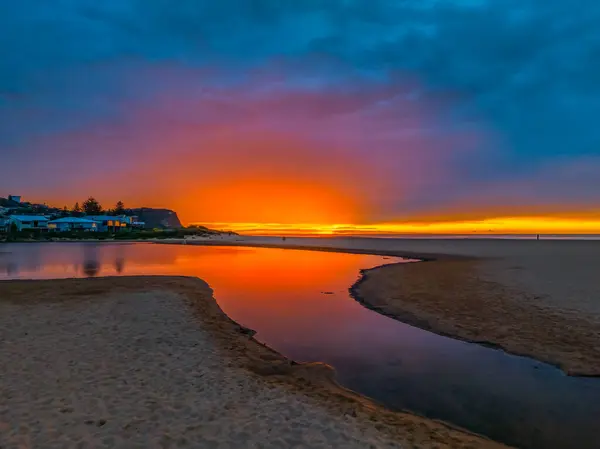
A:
{"x":163,"y":223}
{"x":23,"y":236}
{"x":91,"y":206}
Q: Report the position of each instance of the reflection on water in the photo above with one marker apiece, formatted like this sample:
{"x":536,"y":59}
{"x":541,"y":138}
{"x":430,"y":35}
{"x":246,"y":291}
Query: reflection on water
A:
{"x":87,"y":259}
{"x":279,"y":293}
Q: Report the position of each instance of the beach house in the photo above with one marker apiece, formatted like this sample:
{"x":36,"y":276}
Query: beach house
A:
{"x":4,"y":223}
{"x":72,"y":224}
{"x":132,"y":221}
{"x":108,"y":223}
{"x":29,"y":222}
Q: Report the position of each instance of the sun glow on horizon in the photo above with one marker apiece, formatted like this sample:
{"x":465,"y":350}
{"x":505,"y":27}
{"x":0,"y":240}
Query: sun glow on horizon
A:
{"x":488,"y":226}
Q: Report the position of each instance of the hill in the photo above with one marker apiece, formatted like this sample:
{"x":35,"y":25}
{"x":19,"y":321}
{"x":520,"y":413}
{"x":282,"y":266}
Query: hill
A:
{"x":5,"y":202}
{"x":157,"y":218}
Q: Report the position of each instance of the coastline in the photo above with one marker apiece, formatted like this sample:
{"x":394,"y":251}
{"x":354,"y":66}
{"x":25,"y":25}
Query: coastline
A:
{"x":328,"y":249}
{"x":460,"y":295}
{"x":571,"y":346}
{"x":240,"y":354}
{"x":520,"y":318}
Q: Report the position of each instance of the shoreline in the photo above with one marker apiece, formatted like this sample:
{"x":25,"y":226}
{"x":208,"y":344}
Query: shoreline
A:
{"x":574,"y":347}
{"x":549,"y":349}
{"x":415,"y":321}
{"x":237,"y":344}
{"x":428,"y":257}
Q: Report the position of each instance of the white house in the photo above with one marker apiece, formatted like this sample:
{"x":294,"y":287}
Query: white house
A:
{"x":29,"y":222}
{"x":72,"y":224}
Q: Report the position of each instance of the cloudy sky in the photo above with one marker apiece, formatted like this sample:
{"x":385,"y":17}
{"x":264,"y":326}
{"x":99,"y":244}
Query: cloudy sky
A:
{"x":304,"y":111}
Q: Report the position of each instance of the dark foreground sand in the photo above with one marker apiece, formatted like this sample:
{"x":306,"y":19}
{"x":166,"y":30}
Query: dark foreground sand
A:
{"x":152,"y":362}
{"x":534,"y":298}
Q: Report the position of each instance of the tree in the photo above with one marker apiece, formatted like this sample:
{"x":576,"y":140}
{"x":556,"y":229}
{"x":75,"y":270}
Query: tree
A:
{"x":92,"y":207}
{"x":119,"y":208}
{"x":76,"y":208}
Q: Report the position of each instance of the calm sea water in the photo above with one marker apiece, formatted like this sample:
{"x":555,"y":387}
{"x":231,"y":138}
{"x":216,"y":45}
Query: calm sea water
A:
{"x":298,"y":301}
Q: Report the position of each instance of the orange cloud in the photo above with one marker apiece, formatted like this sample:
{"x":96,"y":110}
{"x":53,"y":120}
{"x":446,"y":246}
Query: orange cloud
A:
{"x":277,"y":199}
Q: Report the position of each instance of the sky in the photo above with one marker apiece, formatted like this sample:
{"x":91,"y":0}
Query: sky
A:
{"x":398,"y":114}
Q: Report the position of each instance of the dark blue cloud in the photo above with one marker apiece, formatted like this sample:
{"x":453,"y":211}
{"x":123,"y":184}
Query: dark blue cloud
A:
{"x":524,"y":70}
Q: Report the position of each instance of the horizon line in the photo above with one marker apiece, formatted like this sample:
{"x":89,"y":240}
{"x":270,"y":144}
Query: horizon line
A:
{"x":490,"y":226}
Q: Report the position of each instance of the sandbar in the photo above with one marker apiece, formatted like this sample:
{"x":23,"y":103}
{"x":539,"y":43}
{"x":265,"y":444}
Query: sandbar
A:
{"x":154,"y":362}
{"x":539,"y":299}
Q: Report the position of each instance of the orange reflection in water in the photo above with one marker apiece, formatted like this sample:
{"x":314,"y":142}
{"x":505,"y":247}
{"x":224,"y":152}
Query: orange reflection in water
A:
{"x":280,"y":292}
{"x":261,"y":269}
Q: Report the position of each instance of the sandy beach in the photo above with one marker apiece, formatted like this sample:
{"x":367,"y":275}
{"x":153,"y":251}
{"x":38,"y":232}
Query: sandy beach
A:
{"x":154,"y":362}
{"x":535,"y":298}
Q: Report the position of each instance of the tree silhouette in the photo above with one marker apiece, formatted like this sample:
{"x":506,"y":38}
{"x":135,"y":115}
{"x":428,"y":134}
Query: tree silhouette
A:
{"x":119,"y":208}
{"x":77,"y":208}
{"x":92,"y":207}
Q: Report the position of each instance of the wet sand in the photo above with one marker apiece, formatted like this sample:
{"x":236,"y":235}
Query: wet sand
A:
{"x":154,"y":362}
{"x":451,"y":298}
{"x":535,"y":298}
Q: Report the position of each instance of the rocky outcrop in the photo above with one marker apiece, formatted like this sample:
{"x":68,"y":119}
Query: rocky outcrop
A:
{"x":158,"y":218}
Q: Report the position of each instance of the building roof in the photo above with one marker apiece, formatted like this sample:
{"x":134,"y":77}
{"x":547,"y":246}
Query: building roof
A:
{"x":29,"y":217}
{"x":72,"y":220}
{"x":103,"y":217}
